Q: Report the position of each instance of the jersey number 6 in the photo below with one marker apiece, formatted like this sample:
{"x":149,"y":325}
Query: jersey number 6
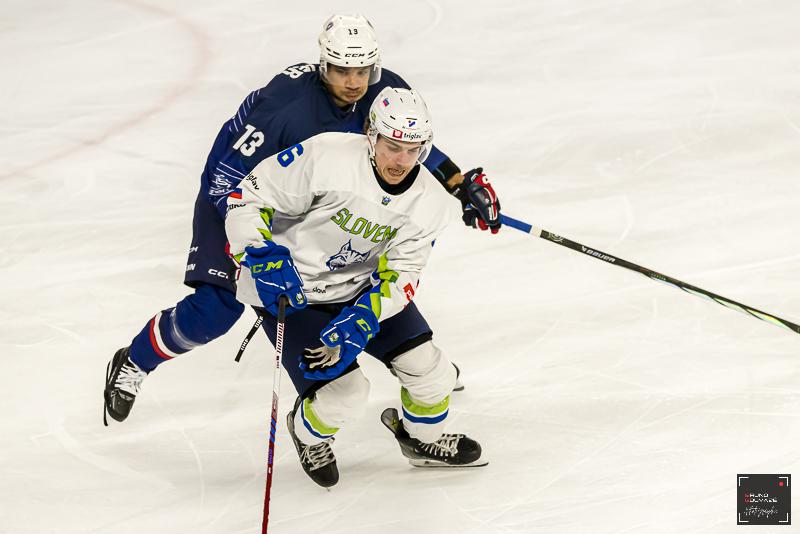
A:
{"x":286,"y":157}
{"x":256,"y":139}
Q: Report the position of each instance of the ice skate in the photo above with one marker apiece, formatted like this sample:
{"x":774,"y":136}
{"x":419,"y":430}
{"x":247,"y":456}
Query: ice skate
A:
{"x":123,"y":381}
{"x":459,"y":384}
{"x":318,"y":460}
{"x":451,"y":450}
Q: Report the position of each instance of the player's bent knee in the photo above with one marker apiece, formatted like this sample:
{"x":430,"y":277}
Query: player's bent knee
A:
{"x":426,"y":373}
{"x":342,"y":399}
{"x":219,"y":300}
{"x":207,"y":313}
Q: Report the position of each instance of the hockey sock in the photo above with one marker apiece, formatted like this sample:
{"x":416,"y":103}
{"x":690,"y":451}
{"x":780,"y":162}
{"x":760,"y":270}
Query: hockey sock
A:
{"x":309,"y":428}
{"x":201,"y":317}
{"x":423,"y":421}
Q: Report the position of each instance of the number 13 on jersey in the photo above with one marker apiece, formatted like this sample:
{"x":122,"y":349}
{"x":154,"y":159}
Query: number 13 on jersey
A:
{"x":250,"y":141}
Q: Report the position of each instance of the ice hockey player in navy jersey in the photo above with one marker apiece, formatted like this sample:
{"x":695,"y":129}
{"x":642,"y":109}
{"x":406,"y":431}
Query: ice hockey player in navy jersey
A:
{"x":366,"y":201}
{"x":300,"y":102}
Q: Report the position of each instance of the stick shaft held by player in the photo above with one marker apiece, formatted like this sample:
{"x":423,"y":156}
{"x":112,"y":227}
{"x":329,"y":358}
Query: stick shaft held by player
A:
{"x":658,"y":277}
{"x":273,"y":424}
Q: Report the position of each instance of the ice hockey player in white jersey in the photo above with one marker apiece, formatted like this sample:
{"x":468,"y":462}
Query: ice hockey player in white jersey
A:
{"x":342,"y":225}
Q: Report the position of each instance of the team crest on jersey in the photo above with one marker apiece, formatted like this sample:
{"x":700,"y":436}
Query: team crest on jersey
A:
{"x":220,"y":185}
{"x":385,"y":200}
{"x":346,"y":256}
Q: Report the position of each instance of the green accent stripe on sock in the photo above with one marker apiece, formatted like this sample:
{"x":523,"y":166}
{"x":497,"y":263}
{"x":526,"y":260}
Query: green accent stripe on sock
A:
{"x":421,"y":409}
{"x":315,"y":422}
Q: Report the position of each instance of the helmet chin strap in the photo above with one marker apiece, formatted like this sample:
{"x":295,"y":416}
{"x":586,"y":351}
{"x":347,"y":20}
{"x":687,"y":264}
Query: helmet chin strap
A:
{"x":372,"y":136}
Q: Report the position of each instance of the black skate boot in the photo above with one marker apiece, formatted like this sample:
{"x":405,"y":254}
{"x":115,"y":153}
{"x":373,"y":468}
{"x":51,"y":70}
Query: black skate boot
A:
{"x":459,"y":384}
{"x":451,"y":450}
{"x":318,"y":460}
{"x":123,"y":380}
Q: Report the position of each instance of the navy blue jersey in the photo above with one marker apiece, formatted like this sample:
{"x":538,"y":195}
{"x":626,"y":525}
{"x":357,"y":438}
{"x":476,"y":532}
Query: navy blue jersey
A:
{"x":292,"y":107}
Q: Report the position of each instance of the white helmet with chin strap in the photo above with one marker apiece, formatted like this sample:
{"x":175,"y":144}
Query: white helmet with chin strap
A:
{"x":349,"y":41}
{"x":401,"y":115}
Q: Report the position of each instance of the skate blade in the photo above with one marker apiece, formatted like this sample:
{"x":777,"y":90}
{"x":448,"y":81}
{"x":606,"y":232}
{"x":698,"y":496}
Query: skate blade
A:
{"x":417,"y":462}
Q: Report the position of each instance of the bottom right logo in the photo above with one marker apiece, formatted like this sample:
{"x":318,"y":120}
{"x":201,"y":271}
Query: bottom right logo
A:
{"x":764,"y":499}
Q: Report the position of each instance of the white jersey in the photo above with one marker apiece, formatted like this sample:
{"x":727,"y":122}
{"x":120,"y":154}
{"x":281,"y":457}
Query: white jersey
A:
{"x":344,"y":231}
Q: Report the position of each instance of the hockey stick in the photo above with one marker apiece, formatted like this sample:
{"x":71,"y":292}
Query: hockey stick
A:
{"x":249,"y":336}
{"x":658,"y":277}
{"x":276,"y":389}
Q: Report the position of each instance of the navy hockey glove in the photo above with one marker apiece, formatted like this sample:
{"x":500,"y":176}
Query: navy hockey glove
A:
{"x":274,"y":272}
{"x":343,"y":339}
{"x":479,"y":202}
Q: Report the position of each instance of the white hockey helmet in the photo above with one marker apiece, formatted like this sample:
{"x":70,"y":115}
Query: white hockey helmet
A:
{"x":349,"y":41}
{"x":400,"y":114}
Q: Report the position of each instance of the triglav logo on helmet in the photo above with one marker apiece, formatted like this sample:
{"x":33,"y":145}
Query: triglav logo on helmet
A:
{"x":346,"y":256}
{"x":406,"y":136}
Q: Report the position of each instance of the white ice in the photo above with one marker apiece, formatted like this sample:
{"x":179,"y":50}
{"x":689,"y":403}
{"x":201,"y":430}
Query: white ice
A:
{"x":665,"y":132}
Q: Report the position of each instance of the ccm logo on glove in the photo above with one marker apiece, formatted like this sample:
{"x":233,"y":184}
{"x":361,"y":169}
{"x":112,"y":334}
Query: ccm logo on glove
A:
{"x":260,"y":268}
{"x":275,"y":275}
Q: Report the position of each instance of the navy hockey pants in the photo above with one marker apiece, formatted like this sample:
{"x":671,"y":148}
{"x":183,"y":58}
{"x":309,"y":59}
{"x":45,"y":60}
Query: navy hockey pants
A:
{"x":397,"y":335}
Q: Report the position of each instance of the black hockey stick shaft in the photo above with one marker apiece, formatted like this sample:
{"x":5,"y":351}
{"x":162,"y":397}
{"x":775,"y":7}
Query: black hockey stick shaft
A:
{"x":276,"y":391}
{"x":249,"y":336}
{"x":653,"y":275}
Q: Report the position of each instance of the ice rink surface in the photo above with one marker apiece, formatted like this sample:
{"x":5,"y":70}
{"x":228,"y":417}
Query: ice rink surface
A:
{"x":666,"y":133}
